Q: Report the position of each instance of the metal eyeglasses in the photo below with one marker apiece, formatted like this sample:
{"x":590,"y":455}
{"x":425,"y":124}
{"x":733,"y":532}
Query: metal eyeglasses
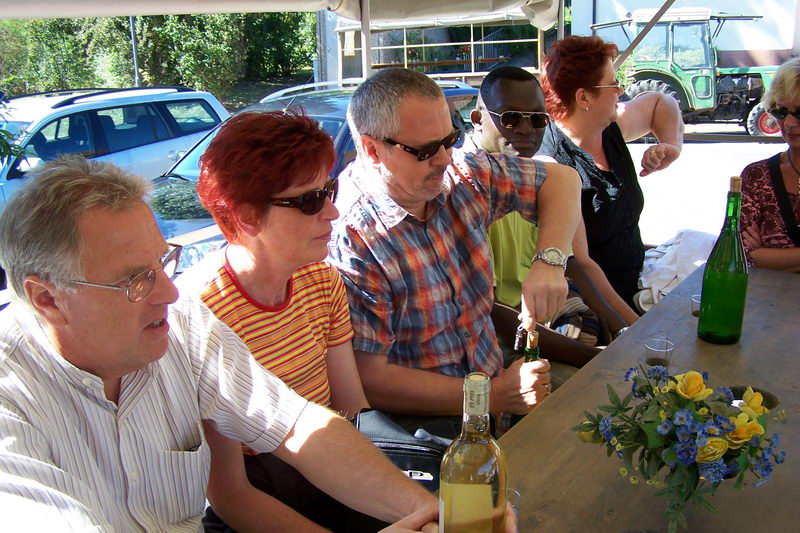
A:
{"x":142,"y":283}
{"x":511,"y":119}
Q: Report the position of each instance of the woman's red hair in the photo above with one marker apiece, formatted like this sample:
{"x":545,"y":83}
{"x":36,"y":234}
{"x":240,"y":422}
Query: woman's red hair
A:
{"x":573,"y":63}
{"x":255,"y":156}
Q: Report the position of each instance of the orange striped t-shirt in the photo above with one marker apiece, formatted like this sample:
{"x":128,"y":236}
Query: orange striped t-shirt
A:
{"x":290,"y":340}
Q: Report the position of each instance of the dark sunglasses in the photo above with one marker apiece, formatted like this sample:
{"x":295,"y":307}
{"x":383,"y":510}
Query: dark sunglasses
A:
{"x":312,"y":202}
{"x":781,"y":113}
{"x":511,"y":119}
{"x":430,"y":149}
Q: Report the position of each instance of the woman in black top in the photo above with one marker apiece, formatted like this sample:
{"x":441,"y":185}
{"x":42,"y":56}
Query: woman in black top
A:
{"x":592,"y":127}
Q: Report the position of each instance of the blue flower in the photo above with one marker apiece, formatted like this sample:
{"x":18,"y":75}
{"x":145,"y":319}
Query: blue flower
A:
{"x":631,"y":373}
{"x":695,"y":426}
{"x":665,"y":427}
{"x":763,"y":468}
{"x":682,"y":417}
{"x":726,"y":394}
{"x":683,"y":433}
{"x":665,"y":457}
{"x":725,"y":424}
{"x":755,"y":440}
{"x":704,"y":373}
{"x":687,"y":455}
{"x":714,"y":471}
{"x":711,"y":429}
{"x":659,"y":374}
{"x":780,"y":457}
{"x":605,"y":428}
{"x":637,"y":391}
{"x":776,"y":440}
{"x":701,"y":440}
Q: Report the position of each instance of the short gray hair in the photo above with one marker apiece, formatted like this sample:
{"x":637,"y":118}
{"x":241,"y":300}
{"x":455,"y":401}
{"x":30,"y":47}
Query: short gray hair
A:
{"x":785,"y":85}
{"x":39,"y":228}
{"x":373,"y":108}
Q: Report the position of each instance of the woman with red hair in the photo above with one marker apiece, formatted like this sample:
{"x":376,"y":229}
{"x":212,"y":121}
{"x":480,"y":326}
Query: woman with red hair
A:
{"x":264,"y":179}
{"x":590,"y":131}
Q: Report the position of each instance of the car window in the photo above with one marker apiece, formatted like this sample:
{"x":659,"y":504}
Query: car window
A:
{"x":192,"y":116}
{"x":130,"y":126}
{"x":13,"y":127}
{"x":72,"y":134}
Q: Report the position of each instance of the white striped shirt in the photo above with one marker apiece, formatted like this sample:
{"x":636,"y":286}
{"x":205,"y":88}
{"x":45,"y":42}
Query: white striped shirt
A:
{"x":70,"y":460}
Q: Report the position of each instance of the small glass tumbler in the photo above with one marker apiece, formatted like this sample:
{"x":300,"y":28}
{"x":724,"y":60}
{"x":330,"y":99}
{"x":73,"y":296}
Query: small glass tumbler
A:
{"x":695,"y":305}
{"x":658,"y":352}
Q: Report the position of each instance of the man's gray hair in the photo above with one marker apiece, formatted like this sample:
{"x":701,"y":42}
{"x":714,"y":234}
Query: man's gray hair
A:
{"x":373,"y":110}
{"x":39,"y":228}
{"x":785,"y":84}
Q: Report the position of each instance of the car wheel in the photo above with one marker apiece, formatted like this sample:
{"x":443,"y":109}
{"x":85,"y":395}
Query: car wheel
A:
{"x":653,"y":86}
{"x":759,"y":122}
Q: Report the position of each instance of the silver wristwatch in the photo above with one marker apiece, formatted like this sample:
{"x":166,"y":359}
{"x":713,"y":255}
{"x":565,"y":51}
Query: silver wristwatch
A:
{"x":551,"y":256}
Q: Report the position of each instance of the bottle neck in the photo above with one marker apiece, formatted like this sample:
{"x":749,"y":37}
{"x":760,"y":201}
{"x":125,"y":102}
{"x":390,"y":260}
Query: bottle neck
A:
{"x":732,"y":212}
{"x":476,"y":406}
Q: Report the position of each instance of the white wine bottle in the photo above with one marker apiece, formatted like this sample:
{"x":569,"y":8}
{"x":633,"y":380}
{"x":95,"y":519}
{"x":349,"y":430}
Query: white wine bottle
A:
{"x":473,"y":482}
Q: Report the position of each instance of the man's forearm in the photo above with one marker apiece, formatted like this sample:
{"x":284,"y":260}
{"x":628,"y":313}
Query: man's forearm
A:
{"x":337,"y":459}
{"x":559,"y":207}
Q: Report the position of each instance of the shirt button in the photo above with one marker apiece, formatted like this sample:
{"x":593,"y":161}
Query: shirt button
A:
{"x":459,"y":301}
{"x":133,"y":475}
{"x":89,"y":382}
{"x":445,"y":264}
{"x":467,"y":334}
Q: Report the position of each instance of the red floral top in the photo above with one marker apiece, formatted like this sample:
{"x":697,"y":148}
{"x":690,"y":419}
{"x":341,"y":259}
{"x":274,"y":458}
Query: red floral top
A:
{"x":760,"y":207}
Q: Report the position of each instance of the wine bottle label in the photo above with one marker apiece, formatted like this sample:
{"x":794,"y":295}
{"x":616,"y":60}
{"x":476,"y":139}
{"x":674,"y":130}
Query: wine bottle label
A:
{"x":476,"y":394}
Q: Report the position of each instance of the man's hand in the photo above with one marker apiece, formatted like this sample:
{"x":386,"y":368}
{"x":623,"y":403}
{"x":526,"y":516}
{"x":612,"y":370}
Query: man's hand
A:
{"x":544,"y":291}
{"x":422,"y":520}
{"x":521,"y":387}
{"x":658,"y":157}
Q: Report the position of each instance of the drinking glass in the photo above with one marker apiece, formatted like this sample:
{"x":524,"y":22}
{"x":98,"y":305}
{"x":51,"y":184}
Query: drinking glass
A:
{"x":658,"y":351}
{"x":695,"y":305}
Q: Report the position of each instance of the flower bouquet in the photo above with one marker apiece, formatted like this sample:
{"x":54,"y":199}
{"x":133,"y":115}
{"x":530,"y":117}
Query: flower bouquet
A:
{"x":677,"y":434}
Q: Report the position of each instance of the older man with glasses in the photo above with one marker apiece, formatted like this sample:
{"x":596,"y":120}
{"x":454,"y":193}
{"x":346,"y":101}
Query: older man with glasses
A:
{"x":106,"y":382}
{"x":412,"y":247}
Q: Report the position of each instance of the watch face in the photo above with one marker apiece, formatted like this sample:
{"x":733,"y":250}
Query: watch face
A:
{"x":552,"y":255}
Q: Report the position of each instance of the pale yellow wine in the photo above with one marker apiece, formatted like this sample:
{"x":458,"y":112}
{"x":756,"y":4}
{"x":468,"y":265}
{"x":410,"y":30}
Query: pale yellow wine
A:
{"x":472,"y":489}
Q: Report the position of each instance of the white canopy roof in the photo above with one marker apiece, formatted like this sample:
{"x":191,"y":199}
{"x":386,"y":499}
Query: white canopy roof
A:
{"x":379,"y":10}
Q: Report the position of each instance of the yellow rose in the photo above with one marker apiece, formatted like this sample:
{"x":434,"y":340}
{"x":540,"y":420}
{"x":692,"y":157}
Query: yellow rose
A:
{"x":746,"y":428}
{"x":702,"y":411}
{"x":714,"y":449}
{"x":690,"y":385}
{"x":754,"y":401}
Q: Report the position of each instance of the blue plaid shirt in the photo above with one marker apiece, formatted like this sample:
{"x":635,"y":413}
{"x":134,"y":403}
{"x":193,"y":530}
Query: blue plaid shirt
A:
{"x":420,"y":292}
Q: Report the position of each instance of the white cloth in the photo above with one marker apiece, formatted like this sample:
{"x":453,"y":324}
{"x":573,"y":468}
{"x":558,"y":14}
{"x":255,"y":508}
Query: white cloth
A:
{"x":670,"y":263}
{"x":70,"y":460}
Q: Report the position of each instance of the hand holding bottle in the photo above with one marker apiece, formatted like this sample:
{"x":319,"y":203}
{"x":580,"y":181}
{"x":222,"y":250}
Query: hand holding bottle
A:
{"x":521,"y":386}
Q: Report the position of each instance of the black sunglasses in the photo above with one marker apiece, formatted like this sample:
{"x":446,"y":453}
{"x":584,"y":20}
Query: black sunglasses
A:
{"x":312,"y":202}
{"x":511,"y":119}
{"x":430,"y":149}
{"x":781,"y":113}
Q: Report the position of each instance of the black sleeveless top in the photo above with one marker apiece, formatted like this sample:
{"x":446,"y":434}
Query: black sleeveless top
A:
{"x":611,"y":202}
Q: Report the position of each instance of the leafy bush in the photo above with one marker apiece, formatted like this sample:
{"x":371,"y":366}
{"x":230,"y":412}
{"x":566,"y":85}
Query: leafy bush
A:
{"x":178,"y":201}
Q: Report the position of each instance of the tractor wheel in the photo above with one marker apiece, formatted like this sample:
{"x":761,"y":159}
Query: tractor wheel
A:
{"x":759,"y":122}
{"x":654,"y":86}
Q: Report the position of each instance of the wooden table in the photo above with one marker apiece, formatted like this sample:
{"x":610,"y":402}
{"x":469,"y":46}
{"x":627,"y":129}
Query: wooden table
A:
{"x":568,"y":485}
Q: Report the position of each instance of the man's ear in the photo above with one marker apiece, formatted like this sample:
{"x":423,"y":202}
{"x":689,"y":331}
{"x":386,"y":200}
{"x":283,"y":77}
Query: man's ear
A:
{"x":247,"y":219}
{"x":476,"y":116}
{"x":370,"y":148}
{"x":42,"y":296}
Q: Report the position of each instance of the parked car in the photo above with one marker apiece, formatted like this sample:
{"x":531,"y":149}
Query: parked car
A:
{"x":142,"y":130}
{"x":175,"y":201}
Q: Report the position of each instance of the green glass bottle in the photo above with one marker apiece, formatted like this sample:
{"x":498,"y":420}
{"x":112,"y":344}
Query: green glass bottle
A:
{"x":725,"y":279}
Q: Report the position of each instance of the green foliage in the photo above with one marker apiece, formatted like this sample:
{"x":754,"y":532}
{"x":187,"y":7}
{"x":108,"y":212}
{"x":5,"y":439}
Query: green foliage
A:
{"x":279,"y":43}
{"x":207,"y":52}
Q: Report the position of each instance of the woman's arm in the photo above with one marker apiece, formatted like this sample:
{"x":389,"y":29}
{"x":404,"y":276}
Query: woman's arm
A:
{"x":237,"y":502}
{"x":786,"y":259}
{"x":347,"y":393}
{"x":660,"y":115}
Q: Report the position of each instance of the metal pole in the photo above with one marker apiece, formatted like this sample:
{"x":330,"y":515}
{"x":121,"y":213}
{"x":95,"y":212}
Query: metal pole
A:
{"x":628,"y":51}
{"x":137,"y":81}
{"x":560,"y":31}
{"x":366,"y":49}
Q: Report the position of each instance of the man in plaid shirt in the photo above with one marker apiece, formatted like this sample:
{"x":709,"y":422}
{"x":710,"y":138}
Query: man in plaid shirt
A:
{"x":412,"y":247}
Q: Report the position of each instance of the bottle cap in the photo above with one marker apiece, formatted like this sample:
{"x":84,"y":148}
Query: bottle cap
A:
{"x":736,"y":184}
